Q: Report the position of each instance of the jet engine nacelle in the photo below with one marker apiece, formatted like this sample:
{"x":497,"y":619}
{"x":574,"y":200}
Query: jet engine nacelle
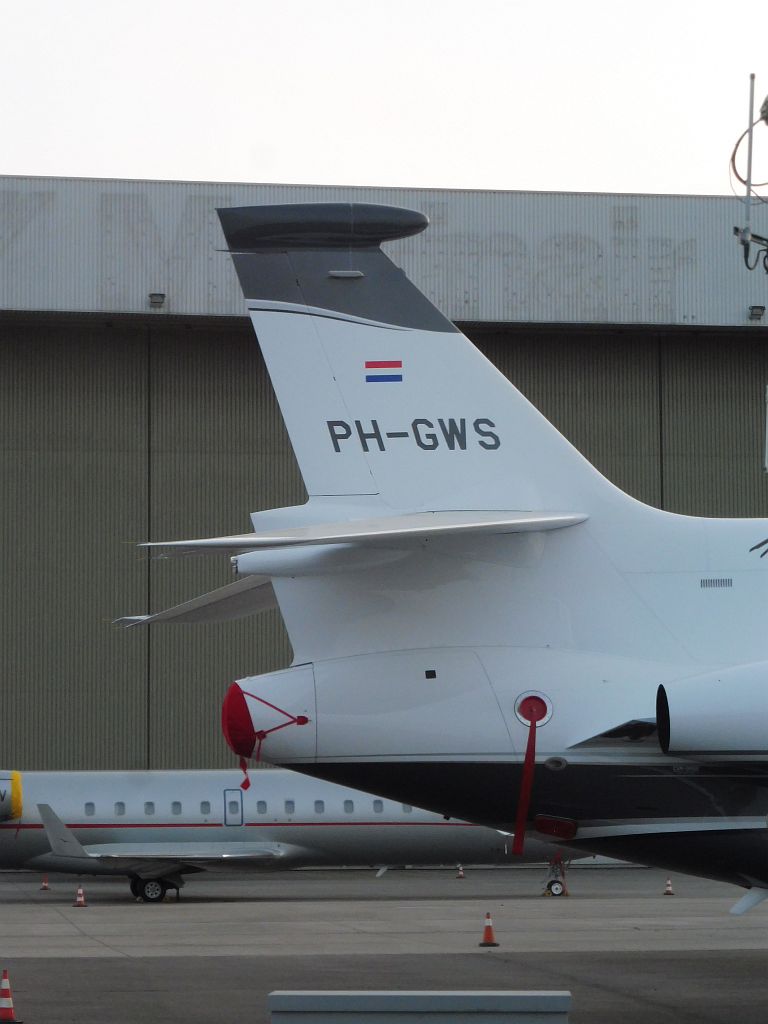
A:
{"x":717,"y":713}
{"x":437,"y":702}
{"x":10,"y":795}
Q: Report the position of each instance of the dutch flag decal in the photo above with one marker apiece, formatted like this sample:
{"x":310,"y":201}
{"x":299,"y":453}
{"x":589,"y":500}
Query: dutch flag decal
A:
{"x":387,"y":371}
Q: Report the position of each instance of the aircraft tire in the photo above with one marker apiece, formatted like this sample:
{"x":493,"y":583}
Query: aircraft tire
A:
{"x":152,"y":890}
{"x":556,"y":888}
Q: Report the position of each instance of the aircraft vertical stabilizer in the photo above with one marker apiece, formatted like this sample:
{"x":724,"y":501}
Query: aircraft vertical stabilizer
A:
{"x":381,"y":394}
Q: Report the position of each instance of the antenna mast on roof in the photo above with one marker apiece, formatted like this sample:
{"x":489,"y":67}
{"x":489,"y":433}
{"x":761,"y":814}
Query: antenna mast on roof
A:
{"x":751,"y":132}
{"x":745,"y":234}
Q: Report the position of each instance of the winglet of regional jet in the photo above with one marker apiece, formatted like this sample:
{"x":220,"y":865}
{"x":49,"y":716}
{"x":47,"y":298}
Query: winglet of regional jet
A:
{"x":750,"y":899}
{"x":62,"y":840}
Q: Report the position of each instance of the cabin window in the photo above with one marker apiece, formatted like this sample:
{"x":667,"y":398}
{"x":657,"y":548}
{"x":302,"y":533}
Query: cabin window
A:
{"x":319,"y":806}
{"x":176,"y":807}
{"x":261,"y":806}
{"x":119,"y":808}
{"x":90,"y":809}
{"x":149,"y":807}
{"x":205,"y":806}
{"x":234,"y":806}
{"x":290,"y":806}
{"x":407,"y":808}
{"x":349,"y":806}
{"x":378,"y":806}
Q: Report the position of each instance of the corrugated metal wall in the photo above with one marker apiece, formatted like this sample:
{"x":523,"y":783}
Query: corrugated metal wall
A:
{"x":218,"y":451}
{"x":71,"y":244}
{"x":713,"y":414}
{"x":111,"y":434}
{"x":114,"y":432}
{"x":73,"y":451}
{"x":600,"y":389}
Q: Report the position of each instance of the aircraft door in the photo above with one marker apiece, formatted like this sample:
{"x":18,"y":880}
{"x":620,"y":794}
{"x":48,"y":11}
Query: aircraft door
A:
{"x":233,"y":807}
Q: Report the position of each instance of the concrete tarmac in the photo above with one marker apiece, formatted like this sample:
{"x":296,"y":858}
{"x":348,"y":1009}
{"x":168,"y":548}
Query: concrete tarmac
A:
{"x":625,"y":951}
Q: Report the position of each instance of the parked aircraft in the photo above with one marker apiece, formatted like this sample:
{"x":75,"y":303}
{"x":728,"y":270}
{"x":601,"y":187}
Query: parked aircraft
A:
{"x":155,"y":827}
{"x":482,"y":624}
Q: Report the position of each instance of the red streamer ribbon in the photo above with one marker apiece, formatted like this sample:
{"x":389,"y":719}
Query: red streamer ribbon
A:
{"x":532,"y":709}
{"x":262,"y":734}
{"x":246,"y":783}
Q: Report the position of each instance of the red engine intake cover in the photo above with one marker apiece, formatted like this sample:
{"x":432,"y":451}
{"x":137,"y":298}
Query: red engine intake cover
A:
{"x":236,"y":722}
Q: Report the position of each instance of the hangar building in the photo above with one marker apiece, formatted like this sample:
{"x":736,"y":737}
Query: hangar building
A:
{"x":136,"y":406}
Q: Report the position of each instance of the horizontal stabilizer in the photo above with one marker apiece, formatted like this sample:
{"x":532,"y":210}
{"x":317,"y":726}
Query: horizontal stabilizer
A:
{"x":416,"y":526}
{"x":245,"y":597}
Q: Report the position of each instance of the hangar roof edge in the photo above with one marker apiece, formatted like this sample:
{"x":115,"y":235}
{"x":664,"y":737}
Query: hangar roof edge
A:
{"x":105,"y":245}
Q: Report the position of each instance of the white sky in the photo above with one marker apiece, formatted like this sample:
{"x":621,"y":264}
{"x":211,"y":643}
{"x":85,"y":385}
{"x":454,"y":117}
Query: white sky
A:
{"x":567,"y":95}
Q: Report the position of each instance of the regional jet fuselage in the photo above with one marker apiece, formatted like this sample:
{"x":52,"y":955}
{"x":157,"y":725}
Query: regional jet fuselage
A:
{"x":156,"y":826}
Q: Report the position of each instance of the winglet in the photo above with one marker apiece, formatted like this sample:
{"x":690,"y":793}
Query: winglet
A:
{"x":62,"y":840}
{"x":750,"y":899}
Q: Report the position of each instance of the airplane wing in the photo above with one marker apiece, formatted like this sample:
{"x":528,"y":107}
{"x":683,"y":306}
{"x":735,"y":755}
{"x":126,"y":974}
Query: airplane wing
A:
{"x":245,"y":597}
{"x":416,"y":526}
{"x":153,"y":858}
{"x":190,"y":853}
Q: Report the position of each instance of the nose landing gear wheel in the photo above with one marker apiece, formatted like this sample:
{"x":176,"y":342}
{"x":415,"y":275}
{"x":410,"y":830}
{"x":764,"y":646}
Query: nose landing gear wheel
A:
{"x":152,"y":890}
{"x":556,"y":887}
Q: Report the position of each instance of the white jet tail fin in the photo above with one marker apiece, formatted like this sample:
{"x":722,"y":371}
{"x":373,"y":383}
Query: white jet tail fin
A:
{"x":381,"y":394}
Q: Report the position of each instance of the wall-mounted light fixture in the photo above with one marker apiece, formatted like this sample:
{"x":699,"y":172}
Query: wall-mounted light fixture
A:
{"x":156,"y":299}
{"x":756,"y":312}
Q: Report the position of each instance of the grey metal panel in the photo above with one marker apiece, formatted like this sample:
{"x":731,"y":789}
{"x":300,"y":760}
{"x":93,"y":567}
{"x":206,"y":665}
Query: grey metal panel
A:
{"x":88,"y":245}
{"x":601,"y":390}
{"x":73,"y":465}
{"x":713,"y":417}
{"x":218,"y":451}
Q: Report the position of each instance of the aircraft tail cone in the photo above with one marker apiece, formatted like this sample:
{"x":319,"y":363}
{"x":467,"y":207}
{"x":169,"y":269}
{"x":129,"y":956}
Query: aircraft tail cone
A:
{"x":6,"y":1001}
{"x":460,"y":872}
{"x":44,"y":887}
{"x":668,"y":890}
{"x":80,"y":897}
{"x":489,"y":939}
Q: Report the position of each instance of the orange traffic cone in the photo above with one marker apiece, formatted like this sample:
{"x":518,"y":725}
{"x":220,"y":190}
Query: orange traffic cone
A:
{"x":460,"y":873}
{"x":80,"y":898}
{"x":489,"y":939}
{"x":45,"y":887}
{"x":6,"y":1001}
{"x":668,"y":888}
